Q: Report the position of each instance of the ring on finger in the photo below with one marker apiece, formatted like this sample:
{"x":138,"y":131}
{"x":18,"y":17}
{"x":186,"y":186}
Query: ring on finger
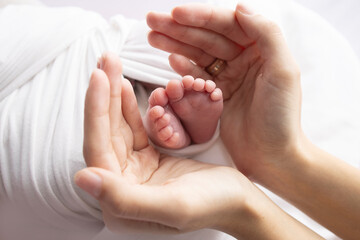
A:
{"x":216,"y":67}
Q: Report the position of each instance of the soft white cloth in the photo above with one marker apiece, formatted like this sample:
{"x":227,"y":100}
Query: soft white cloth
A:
{"x":46,"y":57}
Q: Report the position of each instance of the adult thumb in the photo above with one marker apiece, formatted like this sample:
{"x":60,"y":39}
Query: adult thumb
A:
{"x":264,"y":32}
{"x":123,"y":199}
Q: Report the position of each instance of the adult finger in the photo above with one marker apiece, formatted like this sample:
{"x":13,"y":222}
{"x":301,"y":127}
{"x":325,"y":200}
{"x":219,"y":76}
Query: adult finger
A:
{"x":129,"y":201}
{"x":219,"y":20}
{"x":270,"y":43}
{"x":168,"y":44}
{"x":211,"y":42}
{"x":264,"y":32}
{"x":242,"y":26}
{"x":97,"y":147}
{"x":111,"y":65}
{"x":132,"y":116}
{"x":121,"y":136}
{"x":183,"y":66}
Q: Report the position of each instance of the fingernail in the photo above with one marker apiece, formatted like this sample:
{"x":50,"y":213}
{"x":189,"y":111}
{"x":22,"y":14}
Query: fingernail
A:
{"x":244,"y":10}
{"x":89,"y":182}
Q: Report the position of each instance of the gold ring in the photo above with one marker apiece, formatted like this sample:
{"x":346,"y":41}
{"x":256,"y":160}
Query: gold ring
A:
{"x":216,"y":67}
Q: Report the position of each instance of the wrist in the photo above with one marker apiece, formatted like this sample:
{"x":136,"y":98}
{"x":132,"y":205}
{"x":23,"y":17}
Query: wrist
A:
{"x":278,"y":168}
{"x":252,"y":215}
{"x":242,"y":217}
{"x":257,"y":217}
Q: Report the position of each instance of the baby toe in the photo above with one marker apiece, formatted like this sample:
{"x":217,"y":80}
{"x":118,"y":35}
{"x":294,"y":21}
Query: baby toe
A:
{"x":156,"y":112}
{"x":188,"y":82}
{"x":162,"y":121}
{"x":158,"y":97}
{"x":165,"y":133}
{"x":199,"y":85}
{"x":174,"y":90}
{"x":173,"y":140}
{"x":209,"y":86}
{"x":216,"y":95}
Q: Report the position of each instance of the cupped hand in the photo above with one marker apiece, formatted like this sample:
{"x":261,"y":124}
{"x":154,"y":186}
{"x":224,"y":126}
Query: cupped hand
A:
{"x":136,"y":186}
{"x":260,"y":125}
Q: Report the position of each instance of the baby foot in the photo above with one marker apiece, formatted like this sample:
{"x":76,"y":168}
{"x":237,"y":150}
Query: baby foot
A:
{"x":183,"y":112}
{"x":198,"y":104}
{"x":161,"y":123}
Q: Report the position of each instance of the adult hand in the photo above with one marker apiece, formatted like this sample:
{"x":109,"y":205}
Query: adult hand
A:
{"x":141,"y":190}
{"x":138,"y":188}
{"x":260,"y":125}
{"x":261,"y":118}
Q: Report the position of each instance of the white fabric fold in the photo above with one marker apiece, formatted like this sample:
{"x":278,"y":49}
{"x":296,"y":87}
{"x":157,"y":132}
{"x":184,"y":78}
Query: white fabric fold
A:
{"x":47,"y":56}
{"x":31,"y":37}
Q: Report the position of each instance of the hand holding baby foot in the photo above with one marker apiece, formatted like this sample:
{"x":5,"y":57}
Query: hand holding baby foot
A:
{"x":184,"y":112}
{"x":115,"y":132}
{"x":138,"y":188}
{"x":260,"y":83}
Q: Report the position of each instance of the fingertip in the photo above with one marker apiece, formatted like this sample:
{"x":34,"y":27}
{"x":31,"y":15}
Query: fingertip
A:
{"x":150,"y":36}
{"x":174,"y":58}
{"x":96,"y":75}
{"x":127,"y":84}
{"x":157,"y":39}
{"x":97,"y":96}
{"x":179,"y":13}
{"x":111,"y":64}
{"x":150,"y":17}
{"x":190,"y":13}
{"x":244,"y":10}
{"x":175,"y":11}
{"x":180,"y":64}
{"x":89,"y":181}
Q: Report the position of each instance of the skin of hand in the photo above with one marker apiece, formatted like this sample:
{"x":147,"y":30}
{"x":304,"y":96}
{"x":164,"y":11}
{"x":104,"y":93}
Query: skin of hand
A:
{"x":261,"y":82}
{"x":261,"y":125}
{"x":140,"y":189}
{"x":117,"y":150}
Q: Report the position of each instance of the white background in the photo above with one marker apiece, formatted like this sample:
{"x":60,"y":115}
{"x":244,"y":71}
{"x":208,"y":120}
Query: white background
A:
{"x":343,"y":15}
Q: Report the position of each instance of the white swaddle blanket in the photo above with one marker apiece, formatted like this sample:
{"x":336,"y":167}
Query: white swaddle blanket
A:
{"x":46,"y":58}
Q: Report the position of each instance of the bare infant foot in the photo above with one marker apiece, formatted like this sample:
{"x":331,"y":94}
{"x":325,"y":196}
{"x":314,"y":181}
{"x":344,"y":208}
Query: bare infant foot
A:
{"x":184,"y":112}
